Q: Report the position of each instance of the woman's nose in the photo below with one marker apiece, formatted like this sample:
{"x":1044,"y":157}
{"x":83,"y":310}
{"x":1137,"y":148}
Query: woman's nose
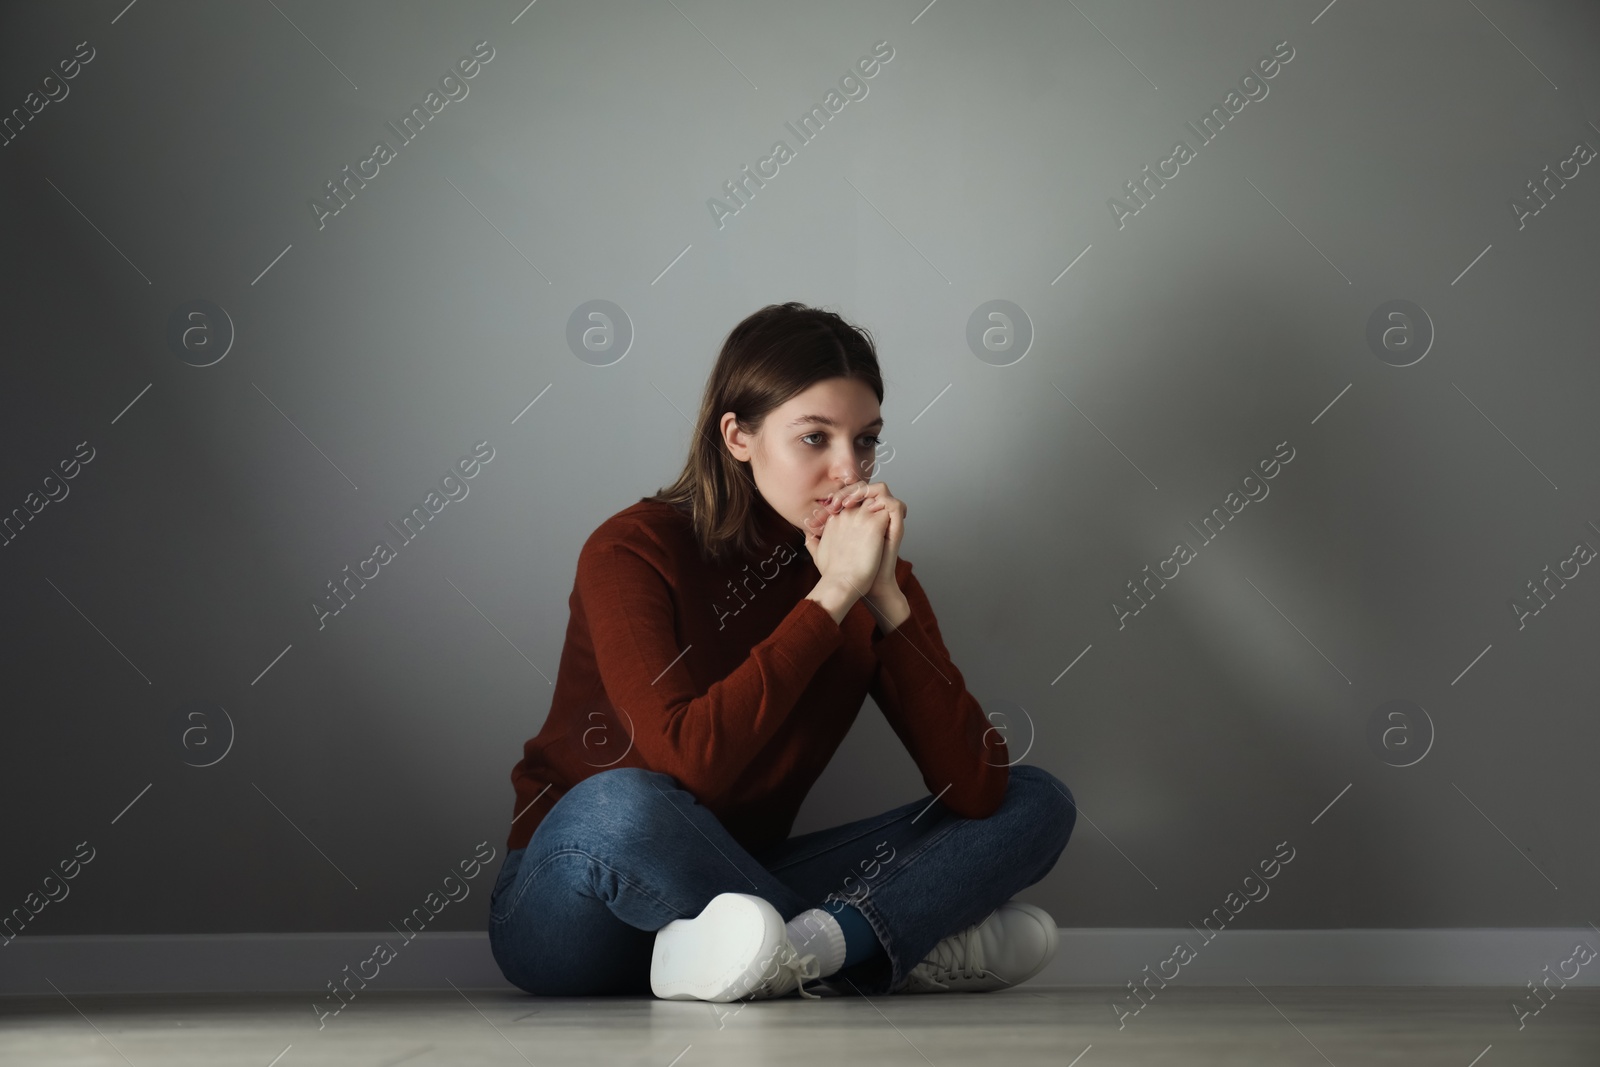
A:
{"x":845,"y":471}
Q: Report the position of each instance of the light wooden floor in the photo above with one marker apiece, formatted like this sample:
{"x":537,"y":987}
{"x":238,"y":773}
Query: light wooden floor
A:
{"x":1195,"y":1026}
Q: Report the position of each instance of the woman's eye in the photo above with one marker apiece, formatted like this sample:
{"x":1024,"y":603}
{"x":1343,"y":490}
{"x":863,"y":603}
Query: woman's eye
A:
{"x":873,"y":442}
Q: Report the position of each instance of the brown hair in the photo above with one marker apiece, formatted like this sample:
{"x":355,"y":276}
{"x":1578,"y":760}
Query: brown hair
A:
{"x":774,"y":354}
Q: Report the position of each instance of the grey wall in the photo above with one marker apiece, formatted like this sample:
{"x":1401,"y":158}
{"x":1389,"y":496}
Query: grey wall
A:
{"x":160,"y":615}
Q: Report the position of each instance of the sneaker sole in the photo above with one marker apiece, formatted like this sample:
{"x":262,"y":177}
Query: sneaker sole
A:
{"x":717,"y":955}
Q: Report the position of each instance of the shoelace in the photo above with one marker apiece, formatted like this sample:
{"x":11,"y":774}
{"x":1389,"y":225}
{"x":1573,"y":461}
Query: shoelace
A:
{"x":804,"y":968}
{"x":957,"y":956}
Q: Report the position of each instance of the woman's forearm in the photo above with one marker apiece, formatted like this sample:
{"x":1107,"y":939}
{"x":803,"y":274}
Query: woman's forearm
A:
{"x":890,"y":611}
{"x":836,"y":597}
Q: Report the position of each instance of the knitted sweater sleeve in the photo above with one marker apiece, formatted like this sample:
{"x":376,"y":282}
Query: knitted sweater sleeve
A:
{"x":963,"y":759}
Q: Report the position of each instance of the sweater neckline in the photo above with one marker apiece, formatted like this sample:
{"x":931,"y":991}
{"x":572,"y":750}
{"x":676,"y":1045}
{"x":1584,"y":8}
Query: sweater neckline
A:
{"x":774,"y":527}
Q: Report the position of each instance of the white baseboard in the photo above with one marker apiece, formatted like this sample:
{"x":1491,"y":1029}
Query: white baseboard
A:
{"x":288,"y":963}
{"x":1439,"y":957}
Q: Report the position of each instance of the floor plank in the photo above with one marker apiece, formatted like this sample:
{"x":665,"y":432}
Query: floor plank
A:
{"x":1060,"y":1026}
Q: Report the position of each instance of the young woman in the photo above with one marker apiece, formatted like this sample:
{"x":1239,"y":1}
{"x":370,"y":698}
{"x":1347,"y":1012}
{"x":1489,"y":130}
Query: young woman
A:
{"x":710,"y":671}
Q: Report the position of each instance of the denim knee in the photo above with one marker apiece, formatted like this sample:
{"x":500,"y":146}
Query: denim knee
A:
{"x":620,"y":784}
{"x":1049,"y":795}
{"x":618,"y":807}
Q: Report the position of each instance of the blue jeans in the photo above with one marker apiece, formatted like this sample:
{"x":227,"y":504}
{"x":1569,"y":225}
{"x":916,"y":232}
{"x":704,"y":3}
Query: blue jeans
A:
{"x":627,"y":851}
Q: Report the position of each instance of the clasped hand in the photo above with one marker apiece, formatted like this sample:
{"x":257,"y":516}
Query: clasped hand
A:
{"x":856,"y":537}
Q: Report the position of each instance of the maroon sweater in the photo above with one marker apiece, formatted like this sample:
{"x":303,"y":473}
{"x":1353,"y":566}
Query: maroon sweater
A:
{"x":736,"y":685}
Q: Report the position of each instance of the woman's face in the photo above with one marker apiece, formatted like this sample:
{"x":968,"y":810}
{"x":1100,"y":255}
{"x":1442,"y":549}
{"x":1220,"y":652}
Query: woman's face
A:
{"x":818,"y":442}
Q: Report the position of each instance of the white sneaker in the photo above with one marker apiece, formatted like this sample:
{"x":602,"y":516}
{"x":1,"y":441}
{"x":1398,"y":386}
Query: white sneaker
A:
{"x":1011,"y":945}
{"x":736,"y":948}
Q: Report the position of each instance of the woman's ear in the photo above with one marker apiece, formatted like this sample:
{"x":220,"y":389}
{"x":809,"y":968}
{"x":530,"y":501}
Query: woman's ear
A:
{"x":736,"y":439}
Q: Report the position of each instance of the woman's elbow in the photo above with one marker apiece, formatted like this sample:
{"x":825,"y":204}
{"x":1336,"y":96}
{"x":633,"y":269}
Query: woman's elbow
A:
{"x":983,"y":798}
